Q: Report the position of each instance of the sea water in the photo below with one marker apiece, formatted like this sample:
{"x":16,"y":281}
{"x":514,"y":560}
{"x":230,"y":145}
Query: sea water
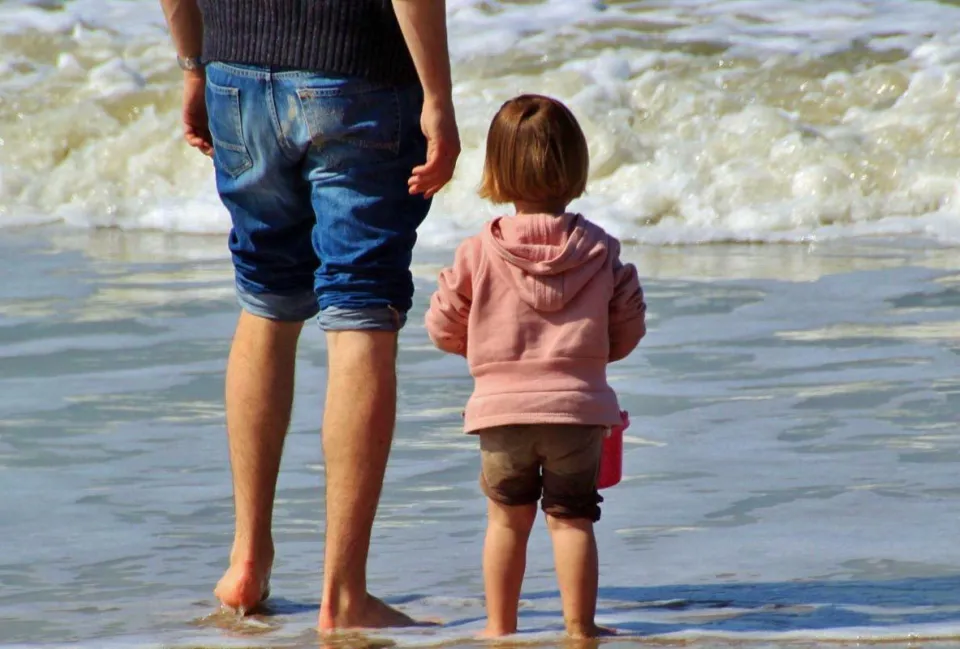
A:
{"x":784,"y":175}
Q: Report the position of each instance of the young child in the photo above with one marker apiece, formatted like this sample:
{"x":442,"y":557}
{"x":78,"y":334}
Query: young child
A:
{"x":539,"y":303}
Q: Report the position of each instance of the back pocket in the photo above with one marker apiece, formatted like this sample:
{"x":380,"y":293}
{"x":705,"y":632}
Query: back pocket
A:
{"x":229,"y":149}
{"x":351,"y":127}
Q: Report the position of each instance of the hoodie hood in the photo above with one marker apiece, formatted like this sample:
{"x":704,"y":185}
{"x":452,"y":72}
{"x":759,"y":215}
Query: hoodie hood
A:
{"x":548,"y":259}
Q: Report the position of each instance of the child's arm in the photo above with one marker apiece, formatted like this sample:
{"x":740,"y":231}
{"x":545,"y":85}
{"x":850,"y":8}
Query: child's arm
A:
{"x":627,"y":310}
{"x":449,"y":310}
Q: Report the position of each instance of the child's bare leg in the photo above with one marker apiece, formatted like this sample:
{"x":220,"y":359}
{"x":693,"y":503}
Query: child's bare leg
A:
{"x":504,"y":562}
{"x":575,"y":556}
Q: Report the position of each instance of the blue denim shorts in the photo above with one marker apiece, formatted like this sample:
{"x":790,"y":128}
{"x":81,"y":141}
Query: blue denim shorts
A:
{"x":313,"y":170}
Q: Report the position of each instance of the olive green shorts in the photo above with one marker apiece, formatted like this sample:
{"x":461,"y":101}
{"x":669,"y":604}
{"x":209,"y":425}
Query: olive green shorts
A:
{"x":523,"y":464}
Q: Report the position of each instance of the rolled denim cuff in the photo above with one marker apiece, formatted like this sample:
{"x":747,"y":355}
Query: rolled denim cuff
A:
{"x":335,"y":318}
{"x":297,"y":307}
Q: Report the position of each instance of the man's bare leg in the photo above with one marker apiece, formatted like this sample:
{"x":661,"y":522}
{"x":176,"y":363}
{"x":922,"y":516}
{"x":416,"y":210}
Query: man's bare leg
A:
{"x":358,"y":422}
{"x":259,"y":397}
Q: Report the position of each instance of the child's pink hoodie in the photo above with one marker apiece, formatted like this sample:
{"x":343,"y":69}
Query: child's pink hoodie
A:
{"x":539,"y":304}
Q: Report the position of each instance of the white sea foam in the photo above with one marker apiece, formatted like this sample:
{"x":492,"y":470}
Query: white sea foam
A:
{"x":730,"y":120}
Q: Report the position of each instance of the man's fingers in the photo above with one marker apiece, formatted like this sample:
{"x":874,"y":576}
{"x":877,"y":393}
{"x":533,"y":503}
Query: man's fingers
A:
{"x":422,"y":170}
{"x":439,"y":166}
{"x":422,"y":176}
{"x":437,"y":155}
{"x":427,"y":187}
{"x":430,"y":177}
{"x":198,"y":140}
{"x":418,"y":184}
{"x":428,"y":167}
{"x":200,"y":145}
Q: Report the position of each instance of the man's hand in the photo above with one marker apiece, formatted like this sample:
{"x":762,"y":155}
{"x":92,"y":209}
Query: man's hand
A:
{"x":439,"y":125}
{"x":186,"y":28}
{"x":196,"y":130}
{"x":424,"y":27}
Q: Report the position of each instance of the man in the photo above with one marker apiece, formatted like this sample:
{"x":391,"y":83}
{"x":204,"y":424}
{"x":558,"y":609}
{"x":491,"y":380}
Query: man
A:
{"x":331,"y":125}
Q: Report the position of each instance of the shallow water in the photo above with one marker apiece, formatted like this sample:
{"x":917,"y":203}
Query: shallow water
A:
{"x":791,"y":466}
{"x":790,"y":472}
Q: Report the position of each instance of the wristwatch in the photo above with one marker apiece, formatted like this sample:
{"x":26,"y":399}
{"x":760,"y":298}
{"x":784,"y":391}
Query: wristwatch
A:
{"x":189,"y":63}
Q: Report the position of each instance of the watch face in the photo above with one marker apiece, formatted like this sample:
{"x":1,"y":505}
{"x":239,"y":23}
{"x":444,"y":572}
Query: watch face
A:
{"x":189,"y":63}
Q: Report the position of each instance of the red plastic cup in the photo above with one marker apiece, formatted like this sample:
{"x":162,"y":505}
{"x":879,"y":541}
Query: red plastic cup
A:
{"x":611,"y":456}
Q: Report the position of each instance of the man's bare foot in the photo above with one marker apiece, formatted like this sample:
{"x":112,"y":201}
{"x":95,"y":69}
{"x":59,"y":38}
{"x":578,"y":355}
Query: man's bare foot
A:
{"x":490,"y":633}
{"x":586,"y":632}
{"x":374,"y":614}
{"x":244,"y":586}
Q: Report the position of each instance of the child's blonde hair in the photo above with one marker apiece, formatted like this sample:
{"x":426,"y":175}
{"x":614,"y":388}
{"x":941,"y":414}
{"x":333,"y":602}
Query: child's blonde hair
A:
{"x":536,"y":152}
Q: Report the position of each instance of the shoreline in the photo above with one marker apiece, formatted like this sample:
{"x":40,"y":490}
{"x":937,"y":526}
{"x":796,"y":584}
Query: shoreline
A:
{"x":780,"y":260}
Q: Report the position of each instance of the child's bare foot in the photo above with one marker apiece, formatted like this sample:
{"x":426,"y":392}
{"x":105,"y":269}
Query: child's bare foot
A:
{"x":244,"y":586}
{"x":374,"y":614}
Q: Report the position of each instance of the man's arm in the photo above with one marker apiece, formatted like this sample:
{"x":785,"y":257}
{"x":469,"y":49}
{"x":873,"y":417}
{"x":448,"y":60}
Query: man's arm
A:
{"x":424,"y":27}
{"x":186,"y":26}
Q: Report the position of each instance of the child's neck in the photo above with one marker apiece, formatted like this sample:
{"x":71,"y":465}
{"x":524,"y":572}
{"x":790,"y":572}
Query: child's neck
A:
{"x":524,"y":207}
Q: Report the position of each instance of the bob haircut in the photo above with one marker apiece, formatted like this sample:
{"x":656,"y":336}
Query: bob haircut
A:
{"x":536,"y":152}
